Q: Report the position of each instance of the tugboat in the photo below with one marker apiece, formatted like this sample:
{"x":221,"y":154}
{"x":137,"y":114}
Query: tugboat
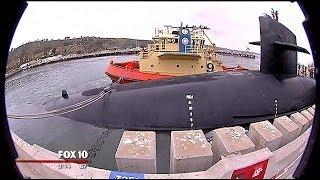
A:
{"x":174,"y":51}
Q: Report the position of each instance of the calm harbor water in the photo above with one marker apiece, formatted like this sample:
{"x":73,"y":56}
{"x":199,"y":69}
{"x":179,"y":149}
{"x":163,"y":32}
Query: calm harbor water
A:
{"x":27,"y":91}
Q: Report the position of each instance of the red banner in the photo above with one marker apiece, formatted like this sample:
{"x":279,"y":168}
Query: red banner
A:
{"x":255,"y":171}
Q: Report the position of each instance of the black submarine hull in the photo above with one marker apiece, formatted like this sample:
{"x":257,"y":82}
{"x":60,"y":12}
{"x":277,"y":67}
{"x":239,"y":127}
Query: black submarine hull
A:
{"x":219,"y":99}
{"x":210,"y":100}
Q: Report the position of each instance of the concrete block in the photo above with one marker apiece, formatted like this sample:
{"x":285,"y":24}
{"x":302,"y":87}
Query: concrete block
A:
{"x":137,"y":152}
{"x":288,"y":128}
{"x":189,"y":151}
{"x":264,"y":134}
{"x":311,"y":110}
{"x":308,"y":115}
{"x":300,"y":120}
{"x":230,"y":140}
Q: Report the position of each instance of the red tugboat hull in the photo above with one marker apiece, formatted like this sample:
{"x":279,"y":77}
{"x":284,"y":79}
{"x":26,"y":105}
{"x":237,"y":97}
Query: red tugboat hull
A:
{"x":129,"y":72}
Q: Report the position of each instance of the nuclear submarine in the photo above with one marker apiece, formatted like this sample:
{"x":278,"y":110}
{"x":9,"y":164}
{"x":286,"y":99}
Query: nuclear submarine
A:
{"x":204,"y":101}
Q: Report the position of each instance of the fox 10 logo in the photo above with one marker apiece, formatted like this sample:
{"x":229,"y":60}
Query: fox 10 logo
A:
{"x":79,"y":157}
{"x":73,"y":154}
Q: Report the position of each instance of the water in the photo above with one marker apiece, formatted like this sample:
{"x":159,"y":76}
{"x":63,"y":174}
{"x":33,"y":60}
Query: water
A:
{"x":28,"y":90}
{"x":232,"y":61}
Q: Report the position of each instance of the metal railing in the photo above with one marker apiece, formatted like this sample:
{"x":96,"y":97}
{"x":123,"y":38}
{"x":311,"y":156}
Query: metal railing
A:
{"x":192,"y":49}
{"x":153,"y":49}
{"x":188,"y":49}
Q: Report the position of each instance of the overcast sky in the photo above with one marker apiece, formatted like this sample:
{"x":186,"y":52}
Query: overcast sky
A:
{"x":233,"y":24}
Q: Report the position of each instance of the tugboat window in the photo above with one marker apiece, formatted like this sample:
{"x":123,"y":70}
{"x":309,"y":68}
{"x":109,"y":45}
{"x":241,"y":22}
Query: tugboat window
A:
{"x":175,"y":32}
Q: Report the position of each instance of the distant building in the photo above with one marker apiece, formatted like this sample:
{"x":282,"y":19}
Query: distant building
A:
{"x":306,"y":70}
{"x":25,"y":66}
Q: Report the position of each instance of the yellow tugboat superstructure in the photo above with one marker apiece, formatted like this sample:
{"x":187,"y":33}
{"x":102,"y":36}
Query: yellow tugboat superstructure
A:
{"x":179,"y":51}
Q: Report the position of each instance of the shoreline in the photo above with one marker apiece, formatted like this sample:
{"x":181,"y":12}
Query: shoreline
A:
{"x":56,"y":59}
{"x":61,"y":58}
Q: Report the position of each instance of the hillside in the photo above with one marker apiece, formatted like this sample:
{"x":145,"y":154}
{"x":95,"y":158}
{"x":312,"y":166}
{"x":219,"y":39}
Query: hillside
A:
{"x":48,"y":48}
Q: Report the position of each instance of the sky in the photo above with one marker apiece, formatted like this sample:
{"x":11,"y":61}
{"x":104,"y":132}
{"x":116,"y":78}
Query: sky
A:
{"x":233,"y":24}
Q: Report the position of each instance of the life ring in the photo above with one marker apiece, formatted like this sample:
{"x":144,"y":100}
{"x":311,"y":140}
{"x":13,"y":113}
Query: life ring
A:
{"x":185,"y":41}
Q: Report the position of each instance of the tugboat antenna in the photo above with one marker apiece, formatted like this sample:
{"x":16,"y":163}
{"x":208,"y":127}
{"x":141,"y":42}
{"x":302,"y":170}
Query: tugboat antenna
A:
{"x":209,"y":39}
{"x":187,"y":26}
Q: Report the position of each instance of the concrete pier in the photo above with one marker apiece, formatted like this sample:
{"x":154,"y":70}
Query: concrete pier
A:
{"x":261,"y":163}
{"x":264,"y":134}
{"x":288,"y":128}
{"x":189,"y":152}
{"x":137,"y":152}
{"x":278,"y":164}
